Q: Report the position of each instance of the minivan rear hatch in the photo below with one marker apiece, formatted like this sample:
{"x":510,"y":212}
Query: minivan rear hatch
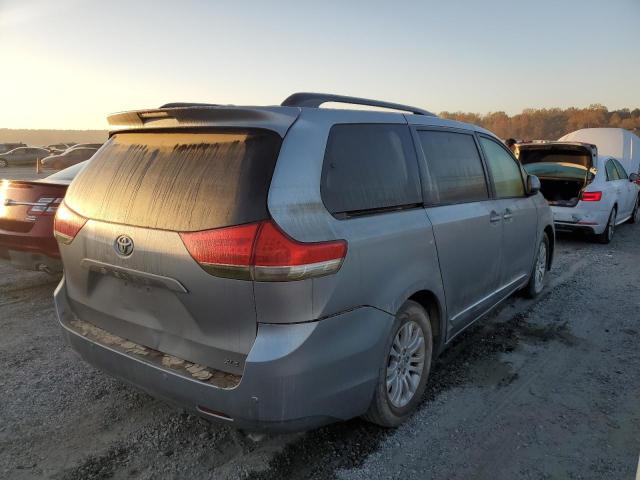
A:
{"x":564,"y":169}
{"x":147,"y":187}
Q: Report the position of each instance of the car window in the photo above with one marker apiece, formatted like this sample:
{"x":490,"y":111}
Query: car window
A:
{"x":505,"y":171}
{"x":180,"y":181}
{"x":369,"y":167}
{"x":612,"y":173}
{"x":622,"y":173}
{"x":455,"y":172}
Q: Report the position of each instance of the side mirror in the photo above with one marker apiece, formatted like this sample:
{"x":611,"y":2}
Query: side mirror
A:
{"x":634,"y":177}
{"x":533,"y":185}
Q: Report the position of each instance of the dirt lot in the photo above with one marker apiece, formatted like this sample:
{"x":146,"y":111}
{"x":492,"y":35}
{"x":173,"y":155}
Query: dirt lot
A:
{"x":544,"y":389}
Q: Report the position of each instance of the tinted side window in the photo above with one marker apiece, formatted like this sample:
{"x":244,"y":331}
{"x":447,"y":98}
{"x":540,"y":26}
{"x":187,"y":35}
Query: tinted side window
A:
{"x":506,"y":173}
{"x":622,"y":173}
{"x":612,"y":173}
{"x":455,"y":170}
{"x":368,"y":167}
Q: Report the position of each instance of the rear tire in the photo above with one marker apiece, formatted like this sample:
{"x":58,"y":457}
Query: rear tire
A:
{"x":635,"y":215}
{"x":606,"y":236}
{"x":539,"y":272}
{"x":403,"y":375}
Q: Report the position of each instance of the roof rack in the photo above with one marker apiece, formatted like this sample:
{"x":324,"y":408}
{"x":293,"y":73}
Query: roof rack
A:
{"x":314,"y":100}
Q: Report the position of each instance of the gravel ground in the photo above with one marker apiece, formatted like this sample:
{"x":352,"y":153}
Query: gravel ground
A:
{"x":540,"y":389}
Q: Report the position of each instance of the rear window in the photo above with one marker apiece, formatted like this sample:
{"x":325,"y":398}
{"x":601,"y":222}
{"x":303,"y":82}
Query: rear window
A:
{"x":369,"y":167}
{"x":556,"y":170}
{"x":178,"y":181}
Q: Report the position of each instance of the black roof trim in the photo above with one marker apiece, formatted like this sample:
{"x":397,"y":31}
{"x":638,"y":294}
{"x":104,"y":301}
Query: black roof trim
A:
{"x":314,"y":100}
{"x":188,"y":104}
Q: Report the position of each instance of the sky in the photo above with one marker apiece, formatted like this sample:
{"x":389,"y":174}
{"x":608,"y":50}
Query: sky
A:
{"x":69,"y":63}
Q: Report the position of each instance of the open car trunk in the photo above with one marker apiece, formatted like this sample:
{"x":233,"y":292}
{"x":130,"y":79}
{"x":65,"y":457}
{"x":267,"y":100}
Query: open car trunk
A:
{"x":564,"y":170}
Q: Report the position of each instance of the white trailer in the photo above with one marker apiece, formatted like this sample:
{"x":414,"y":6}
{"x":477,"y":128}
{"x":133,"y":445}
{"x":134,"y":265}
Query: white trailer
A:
{"x":613,"y":142}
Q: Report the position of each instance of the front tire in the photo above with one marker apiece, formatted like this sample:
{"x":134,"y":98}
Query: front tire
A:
{"x":402,"y":378}
{"x":606,"y":236}
{"x":539,"y":273}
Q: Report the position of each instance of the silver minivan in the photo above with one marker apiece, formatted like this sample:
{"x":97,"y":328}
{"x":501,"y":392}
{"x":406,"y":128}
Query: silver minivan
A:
{"x":285,"y":267}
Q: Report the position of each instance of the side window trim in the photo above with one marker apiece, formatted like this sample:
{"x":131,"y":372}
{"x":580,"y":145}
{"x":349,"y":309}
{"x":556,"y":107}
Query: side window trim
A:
{"x":425,"y":179}
{"x":510,"y":153}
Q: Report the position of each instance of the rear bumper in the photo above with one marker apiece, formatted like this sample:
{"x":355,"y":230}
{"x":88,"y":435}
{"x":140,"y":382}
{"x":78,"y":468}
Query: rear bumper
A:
{"x":579,"y":219}
{"x":296,"y":377}
{"x":573,"y":227}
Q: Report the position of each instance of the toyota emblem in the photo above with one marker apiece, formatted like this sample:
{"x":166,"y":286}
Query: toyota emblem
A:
{"x":123,"y":245}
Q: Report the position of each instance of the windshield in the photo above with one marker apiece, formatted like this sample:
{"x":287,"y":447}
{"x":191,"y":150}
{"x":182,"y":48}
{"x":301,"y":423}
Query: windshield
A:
{"x":556,"y":170}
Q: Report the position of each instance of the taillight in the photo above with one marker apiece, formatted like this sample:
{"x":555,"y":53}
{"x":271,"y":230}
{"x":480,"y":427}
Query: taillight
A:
{"x":67,"y":224}
{"x":224,"y":252}
{"x":591,"y":196}
{"x":45,"y":206}
{"x":261,"y":251}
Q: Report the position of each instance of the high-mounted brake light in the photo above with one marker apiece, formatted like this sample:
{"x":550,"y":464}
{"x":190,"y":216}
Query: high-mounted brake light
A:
{"x":261,"y":251}
{"x":591,"y":196}
{"x":67,"y":224}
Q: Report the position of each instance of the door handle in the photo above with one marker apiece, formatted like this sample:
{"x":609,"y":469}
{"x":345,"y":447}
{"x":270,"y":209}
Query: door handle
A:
{"x":494,"y":217}
{"x":507,"y":214}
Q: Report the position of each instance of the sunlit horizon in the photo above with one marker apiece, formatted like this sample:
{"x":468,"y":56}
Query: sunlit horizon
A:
{"x":70,"y":64}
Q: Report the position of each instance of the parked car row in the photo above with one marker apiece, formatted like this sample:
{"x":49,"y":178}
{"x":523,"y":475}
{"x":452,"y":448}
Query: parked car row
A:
{"x":48,"y":157}
{"x":285,"y":267}
{"x":23,"y":156}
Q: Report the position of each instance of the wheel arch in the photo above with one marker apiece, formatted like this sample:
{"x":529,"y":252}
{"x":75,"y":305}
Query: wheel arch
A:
{"x":429,"y":301}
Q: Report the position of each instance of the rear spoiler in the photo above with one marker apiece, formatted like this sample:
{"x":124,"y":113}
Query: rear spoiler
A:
{"x":278,"y":119}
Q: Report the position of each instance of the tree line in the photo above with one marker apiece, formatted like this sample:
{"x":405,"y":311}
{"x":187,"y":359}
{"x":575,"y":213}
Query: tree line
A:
{"x":550,"y":123}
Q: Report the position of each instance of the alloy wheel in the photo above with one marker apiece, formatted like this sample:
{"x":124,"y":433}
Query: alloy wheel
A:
{"x":541,"y":267}
{"x":405,"y":364}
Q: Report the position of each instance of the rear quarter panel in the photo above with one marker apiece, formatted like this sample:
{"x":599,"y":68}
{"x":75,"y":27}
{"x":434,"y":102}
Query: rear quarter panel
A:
{"x":390,"y":255}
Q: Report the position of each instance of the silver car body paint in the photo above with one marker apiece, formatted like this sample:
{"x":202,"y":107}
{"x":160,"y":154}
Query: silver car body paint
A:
{"x":305,"y":352}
